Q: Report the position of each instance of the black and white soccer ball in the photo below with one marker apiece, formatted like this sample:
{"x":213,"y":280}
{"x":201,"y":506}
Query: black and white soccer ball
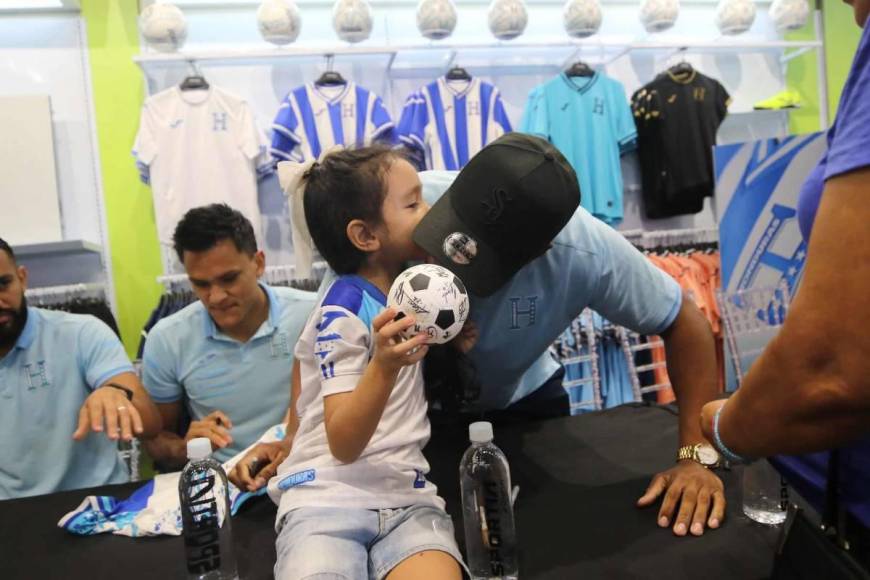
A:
{"x":435,"y":297}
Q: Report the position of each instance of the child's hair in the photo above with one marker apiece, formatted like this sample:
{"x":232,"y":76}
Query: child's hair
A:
{"x":346,"y":185}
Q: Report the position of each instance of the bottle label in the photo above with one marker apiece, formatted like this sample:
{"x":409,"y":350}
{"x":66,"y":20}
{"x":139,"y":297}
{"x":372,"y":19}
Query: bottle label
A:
{"x":201,"y":534}
{"x":297,"y":478}
{"x":491,"y":524}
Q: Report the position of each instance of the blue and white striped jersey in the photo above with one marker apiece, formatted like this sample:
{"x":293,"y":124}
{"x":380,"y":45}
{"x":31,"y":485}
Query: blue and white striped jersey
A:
{"x":446,"y":122}
{"x":313,"y":118}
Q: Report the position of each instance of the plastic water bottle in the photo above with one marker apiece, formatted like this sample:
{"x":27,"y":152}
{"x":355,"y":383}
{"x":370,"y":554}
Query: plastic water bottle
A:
{"x":205,"y":515}
{"x":487,"y":511}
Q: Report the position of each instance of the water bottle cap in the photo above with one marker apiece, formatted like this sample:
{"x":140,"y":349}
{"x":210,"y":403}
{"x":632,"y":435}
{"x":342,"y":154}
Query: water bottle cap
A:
{"x":198,"y":448}
{"x":480,"y":432}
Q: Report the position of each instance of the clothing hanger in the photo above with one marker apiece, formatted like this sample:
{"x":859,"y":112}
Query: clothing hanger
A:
{"x":683,"y":69}
{"x":457,"y":73}
{"x":580,"y":69}
{"x":330,"y":78}
{"x":194,"y":81}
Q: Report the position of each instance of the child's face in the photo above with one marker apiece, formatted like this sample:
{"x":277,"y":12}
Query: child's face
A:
{"x":403,"y":209}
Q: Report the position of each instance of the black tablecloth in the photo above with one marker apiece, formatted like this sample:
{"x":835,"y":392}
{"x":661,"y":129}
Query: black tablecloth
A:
{"x":579,"y":478}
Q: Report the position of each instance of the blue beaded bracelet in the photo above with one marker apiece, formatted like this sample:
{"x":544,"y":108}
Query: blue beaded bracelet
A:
{"x":720,"y":445}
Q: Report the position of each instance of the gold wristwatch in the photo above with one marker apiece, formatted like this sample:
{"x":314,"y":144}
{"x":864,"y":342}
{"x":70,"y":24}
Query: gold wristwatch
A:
{"x":702,"y":453}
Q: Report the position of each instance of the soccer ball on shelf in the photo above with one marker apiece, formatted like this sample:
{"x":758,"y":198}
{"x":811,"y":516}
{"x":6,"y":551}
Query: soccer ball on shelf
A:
{"x":507,"y":18}
{"x":582,"y":18}
{"x":163,"y":26}
{"x":435,"y":297}
{"x":659,"y":15}
{"x":279,"y":21}
{"x":735,"y":16}
{"x":789,"y":15}
{"x":436,"y":19}
{"x":352,"y":20}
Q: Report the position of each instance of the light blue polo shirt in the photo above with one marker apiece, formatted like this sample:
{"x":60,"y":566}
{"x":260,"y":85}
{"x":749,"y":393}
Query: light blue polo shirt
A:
{"x":590,"y":264}
{"x":187,"y":356}
{"x":57,"y":362}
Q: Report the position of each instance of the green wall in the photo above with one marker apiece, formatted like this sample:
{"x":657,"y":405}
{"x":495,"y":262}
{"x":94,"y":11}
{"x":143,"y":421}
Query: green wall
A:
{"x":113,"y":40}
{"x":841,"y":39}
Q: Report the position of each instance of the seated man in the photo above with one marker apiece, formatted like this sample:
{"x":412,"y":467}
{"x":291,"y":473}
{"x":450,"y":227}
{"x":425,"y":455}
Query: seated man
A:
{"x":61,"y":376}
{"x":228,"y":356}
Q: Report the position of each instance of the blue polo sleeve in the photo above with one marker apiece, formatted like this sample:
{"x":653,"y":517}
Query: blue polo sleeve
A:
{"x":631,"y":291}
{"x":850,"y":142}
{"x":159,"y":368}
{"x":435,"y":183}
{"x":101,"y":355}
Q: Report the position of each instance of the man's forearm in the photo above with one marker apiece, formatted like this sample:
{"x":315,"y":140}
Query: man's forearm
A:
{"x":691,"y":358}
{"x":168,"y":449}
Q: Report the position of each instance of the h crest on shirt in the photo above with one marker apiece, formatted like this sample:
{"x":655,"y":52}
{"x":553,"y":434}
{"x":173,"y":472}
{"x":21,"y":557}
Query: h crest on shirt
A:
{"x":36,"y":375}
{"x":220,"y":122}
{"x":527,"y":312}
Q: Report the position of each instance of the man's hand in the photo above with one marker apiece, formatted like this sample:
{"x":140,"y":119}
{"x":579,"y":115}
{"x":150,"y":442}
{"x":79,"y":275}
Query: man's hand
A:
{"x":708,"y":411}
{"x":697,"y":490}
{"x":108,"y":408}
{"x":259,"y":465}
{"x":467,"y":337}
{"x":216,"y":426}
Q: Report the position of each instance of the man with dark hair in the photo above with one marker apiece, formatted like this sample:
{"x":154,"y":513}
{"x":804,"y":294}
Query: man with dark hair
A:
{"x":62,"y":376}
{"x":227,"y":357}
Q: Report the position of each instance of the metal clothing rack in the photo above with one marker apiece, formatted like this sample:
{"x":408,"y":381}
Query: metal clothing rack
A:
{"x":273,"y":275}
{"x":581,"y":328}
{"x":660,"y":238}
{"x":53,"y":294}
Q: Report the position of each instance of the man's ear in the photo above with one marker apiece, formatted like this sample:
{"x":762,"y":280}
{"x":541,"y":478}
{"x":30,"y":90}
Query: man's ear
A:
{"x":22,"y":276}
{"x":362,"y":236}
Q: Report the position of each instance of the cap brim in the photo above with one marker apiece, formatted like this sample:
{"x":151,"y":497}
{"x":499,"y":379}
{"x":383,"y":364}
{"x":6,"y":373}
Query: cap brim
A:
{"x":483,"y":275}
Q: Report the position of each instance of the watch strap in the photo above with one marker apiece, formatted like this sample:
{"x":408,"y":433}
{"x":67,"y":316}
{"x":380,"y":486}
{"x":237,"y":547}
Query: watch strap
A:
{"x":128,"y":392}
{"x":687,"y":452}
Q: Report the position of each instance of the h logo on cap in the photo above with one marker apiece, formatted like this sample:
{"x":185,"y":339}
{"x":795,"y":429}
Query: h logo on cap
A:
{"x":495,"y":205}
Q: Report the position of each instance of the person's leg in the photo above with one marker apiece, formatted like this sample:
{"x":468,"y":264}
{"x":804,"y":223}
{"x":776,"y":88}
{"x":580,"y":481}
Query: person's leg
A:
{"x":324,"y":544}
{"x":430,"y":564}
{"x":415,"y":542}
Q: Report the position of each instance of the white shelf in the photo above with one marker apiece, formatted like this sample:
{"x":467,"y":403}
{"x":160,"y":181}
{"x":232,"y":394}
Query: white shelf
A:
{"x":501,"y":55}
{"x":57,"y":249}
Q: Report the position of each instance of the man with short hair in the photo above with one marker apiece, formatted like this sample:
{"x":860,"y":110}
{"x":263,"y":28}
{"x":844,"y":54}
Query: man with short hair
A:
{"x":228,"y":357}
{"x":62,"y":376}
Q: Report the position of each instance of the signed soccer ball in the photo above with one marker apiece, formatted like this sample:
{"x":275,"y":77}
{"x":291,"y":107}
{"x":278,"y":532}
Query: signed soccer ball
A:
{"x":788,"y":15}
{"x":581,"y":18}
{"x":436,"y":19}
{"x":435,"y":297}
{"x":279,"y":21}
{"x":735,"y":16}
{"x":163,"y":26}
{"x":352,"y":20}
{"x":659,"y":15}
{"x":507,"y":19}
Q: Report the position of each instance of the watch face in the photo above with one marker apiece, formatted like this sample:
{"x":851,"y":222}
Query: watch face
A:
{"x":707,"y":455}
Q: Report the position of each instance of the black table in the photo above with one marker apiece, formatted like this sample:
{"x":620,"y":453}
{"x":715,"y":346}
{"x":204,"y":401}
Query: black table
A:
{"x":579,"y":478}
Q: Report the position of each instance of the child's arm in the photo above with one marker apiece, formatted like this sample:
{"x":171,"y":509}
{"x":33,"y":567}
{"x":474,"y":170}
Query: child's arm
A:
{"x":351,"y":418}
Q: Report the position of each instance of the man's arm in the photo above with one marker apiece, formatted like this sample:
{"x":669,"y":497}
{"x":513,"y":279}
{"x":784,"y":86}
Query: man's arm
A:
{"x":810,"y":389}
{"x":169,"y":448}
{"x":109,"y":408}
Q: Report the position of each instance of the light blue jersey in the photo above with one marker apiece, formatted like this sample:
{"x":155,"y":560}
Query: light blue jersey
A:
{"x":186,"y":355}
{"x":446,"y":122}
{"x":313,"y":118}
{"x":590,"y":122}
{"x":590,"y":264}
{"x":57,"y":362}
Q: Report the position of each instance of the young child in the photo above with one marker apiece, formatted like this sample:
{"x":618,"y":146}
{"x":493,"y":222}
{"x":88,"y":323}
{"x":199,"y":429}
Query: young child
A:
{"x":353,"y":499}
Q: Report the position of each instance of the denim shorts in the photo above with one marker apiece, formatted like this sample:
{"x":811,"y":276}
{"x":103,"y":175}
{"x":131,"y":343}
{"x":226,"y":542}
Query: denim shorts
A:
{"x":354,"y":544}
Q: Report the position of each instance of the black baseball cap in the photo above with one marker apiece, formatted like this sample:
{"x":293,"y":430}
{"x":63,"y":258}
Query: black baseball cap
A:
{"x":503,"y":210}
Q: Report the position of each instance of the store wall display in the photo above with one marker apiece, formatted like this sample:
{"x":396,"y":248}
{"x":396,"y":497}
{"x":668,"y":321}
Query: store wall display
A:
{"x":352,"y":20}
{"x":582,"y":18}
{"x":586,"y":115}
{"x":659,"y":15}
{"x":507,"y":19}
{"x":677,"y":116}
{"x":735,"y":16}
{"x":330,"y":111}
{"x":788,"y":15}
{"x":449,"y":120}
{"x":436,"y":19}
{"x":196,"y":147}
{"x":279,"y":21}
{"x":163,"y":26}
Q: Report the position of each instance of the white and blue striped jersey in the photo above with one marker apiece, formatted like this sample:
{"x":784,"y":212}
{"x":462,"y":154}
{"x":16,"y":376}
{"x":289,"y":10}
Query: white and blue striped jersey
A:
{"x":314,"y":118}
{"x":446,"y":122}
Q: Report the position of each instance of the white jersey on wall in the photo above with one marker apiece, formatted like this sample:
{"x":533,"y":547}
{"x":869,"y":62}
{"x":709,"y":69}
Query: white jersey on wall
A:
{"x":200,"y":147}
{"x":446,"y":122}
{"x":314,"y":118}
{"x":333,"y":351}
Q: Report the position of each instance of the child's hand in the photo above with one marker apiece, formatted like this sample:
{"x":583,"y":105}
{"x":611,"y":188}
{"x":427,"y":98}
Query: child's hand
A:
{"x":467,"y":337}
{"x":391,"y":352}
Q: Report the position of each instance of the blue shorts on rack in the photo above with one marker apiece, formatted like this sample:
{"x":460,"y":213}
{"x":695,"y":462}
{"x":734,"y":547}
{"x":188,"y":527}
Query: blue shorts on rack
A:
{"x":352,"y":544}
